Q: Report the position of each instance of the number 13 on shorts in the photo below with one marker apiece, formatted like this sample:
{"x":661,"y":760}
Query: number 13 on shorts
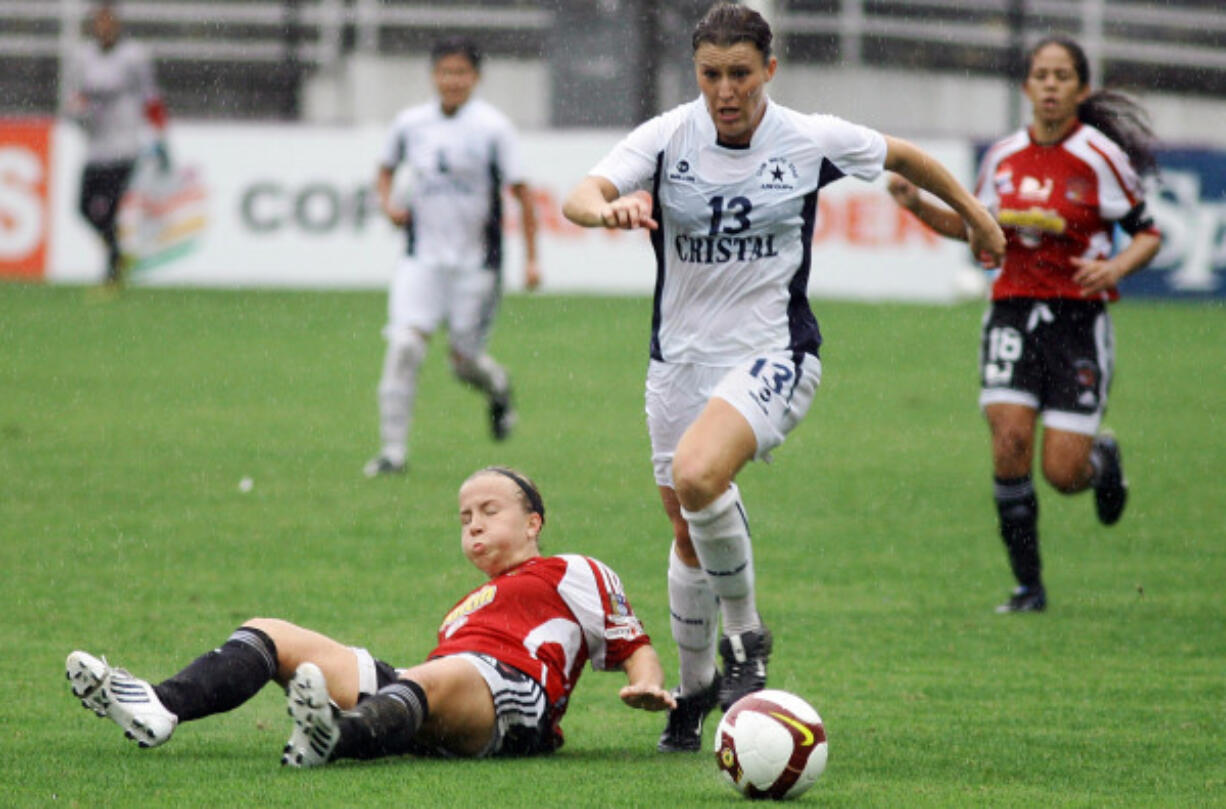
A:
{"x":772,"y":377}
{"x":773,"y":391}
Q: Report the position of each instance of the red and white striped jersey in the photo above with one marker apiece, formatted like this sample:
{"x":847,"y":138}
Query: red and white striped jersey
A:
{"x":547,"y":617}
{"x":1055,"y":203}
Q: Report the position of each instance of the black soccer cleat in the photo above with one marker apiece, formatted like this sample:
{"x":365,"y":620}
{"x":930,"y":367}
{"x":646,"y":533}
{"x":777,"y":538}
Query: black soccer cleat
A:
{"x":1025,"y":599}
{"x":502,"y":415}
{"x":683,"y":734}
{"x":745,"y":657}
{"x":1111,"y":491}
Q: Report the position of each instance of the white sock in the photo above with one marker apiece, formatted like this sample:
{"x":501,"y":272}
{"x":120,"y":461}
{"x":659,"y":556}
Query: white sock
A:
{"x":397,"y":392}
{"x":483,"y":373}
{"x":694,"y":614}
{"x":720,"y":533}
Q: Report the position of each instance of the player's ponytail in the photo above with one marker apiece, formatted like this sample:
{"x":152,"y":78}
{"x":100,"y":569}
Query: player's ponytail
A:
{"x":1123,"y":120}
{"x":1115,"y":114}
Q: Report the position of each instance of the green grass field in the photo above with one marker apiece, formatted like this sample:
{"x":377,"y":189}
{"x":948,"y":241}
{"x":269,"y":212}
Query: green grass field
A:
{"x":126,"y":426}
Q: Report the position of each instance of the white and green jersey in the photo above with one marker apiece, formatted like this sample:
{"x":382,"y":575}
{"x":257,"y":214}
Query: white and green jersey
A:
{"x":109,"y":91}
{"x":734,"y":247}
{"x":459,"y":164}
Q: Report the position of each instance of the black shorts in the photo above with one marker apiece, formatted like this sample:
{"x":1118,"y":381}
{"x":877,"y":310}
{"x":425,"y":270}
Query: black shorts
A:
{"x":102,"y":187}
{"x":1056,"y":356}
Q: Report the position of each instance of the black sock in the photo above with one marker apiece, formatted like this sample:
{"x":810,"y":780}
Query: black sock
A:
{"x":1018,"y":508}
{"x":1097,"y":463}
{"x":383,"y":724}
{"x":222,"y":679}
{"x":113,"y":253}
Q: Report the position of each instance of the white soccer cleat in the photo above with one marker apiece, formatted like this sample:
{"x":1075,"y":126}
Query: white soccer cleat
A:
{"x":86,"y":674}
{"x":128,"y":701}
{"x":316,"y":719}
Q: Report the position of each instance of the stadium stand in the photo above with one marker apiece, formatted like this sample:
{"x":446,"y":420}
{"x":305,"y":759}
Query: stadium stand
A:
{"x":250,"y":59}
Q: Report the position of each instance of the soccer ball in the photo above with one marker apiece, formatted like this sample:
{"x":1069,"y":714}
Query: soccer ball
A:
{"x":771,"y":744}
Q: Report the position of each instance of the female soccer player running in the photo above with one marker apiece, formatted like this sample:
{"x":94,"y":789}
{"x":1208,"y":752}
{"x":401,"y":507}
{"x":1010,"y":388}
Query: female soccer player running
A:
{"x":508,"y":657}
{"x":1058,"y":187}
{"x":727,"y":185}
{"x":113,"y":95}
{"x":460,"y":152}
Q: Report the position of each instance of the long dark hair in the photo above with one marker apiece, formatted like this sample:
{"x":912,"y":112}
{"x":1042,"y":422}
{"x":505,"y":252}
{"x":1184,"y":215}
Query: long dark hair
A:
{"x":726,"y":24}
{"x":1115,"y":114}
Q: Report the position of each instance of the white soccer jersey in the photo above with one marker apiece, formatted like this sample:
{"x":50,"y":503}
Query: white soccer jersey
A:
{"x":109,"y":91}
{"x":459,"y":164}
{"x":734,"y":249}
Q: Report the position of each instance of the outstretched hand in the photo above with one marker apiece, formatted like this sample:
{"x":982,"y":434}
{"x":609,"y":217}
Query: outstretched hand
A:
{"x":629,"y":212}
{"x":647,"y":697}
{"x":532,"y":275}
{"x":396,"y":215}
{"x":987,"y":242}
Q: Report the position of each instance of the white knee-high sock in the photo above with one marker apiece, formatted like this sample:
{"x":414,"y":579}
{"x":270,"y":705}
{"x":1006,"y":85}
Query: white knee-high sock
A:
{"x":720,"y":533}
{"x":397,"y":391}
{"x":694,"y":614}
{"x":483,"y":373}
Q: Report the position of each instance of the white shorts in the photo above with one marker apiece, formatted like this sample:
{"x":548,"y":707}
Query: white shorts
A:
{"x":773,"y":391}
{"x":426,"y":296}
{"x":522,"y":723}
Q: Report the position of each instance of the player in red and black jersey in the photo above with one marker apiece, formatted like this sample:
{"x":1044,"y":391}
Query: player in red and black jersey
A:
{"x":1058,"y":188}
{"x":498,"y":682}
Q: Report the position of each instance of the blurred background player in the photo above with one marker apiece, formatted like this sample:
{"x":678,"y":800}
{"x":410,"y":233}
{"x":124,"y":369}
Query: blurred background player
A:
{"x":1058,"y":188}
{"x":733,"y":180}
{"x":508,"y":657}
{"x":114,"y":97}
{"x":459,"y":152}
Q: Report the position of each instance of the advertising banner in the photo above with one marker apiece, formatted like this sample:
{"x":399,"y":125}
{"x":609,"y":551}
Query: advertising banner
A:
{"x":25,"y":221}
{"x":261,"y":205}
{"x":1189,"y":205}
{"x":276,"y":205}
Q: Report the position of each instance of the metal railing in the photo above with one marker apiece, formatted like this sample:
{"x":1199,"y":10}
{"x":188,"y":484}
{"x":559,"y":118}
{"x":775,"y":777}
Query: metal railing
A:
{"x":1181,"y":43}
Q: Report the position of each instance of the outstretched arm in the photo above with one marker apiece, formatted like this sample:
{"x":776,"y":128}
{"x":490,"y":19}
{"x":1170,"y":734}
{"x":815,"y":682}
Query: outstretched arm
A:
{"x":646,"y":687}
{"x":968,"y":219}
{"x":594,"y":202}
{"x":944,"y":221}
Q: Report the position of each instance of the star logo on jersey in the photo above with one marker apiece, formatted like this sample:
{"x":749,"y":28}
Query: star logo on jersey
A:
{"x":1034,"y":191}
{"x":778,"y":174}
